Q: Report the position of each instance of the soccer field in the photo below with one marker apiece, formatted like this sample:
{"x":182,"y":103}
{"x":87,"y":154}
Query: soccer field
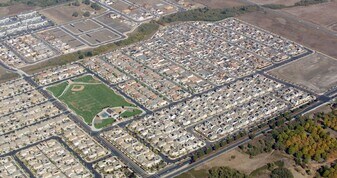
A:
{"x":87,"y":97}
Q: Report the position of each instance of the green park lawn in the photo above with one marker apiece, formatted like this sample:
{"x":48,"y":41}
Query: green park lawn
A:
{"x":58,"y":89}
{"x":134,"y":112}
{"x":90,"y":101}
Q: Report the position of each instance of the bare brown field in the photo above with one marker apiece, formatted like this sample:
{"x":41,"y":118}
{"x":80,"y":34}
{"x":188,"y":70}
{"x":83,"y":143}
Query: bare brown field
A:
{"x":15,"y":9}
{"x":316,"y":72}
{"x":64,"y":13}
{"x":218,"y":4}
{"x":100,"y":36}
{"x":282,"y":2}
{"x":290,"y":28}
{"x":324,"y":14}
{"x":242,"y":162}
{"x":6,"y":75}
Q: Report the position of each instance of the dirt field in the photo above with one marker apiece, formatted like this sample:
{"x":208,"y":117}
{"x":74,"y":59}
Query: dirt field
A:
{"x":283,"y":2}
{"x":244,"y":163}
{"x":61,"y":35}
{"x":5,"y":75}
{"x":290,"y":28}
{"x":120,"y":24}
{"x":316,"y":72}
{"x":100,"y":36}
{"x":322,"y":14}
{"x":218,"y":4}
{"x":15,"y":9}
{"x":246,"y":166}
{"x":64,"y":13}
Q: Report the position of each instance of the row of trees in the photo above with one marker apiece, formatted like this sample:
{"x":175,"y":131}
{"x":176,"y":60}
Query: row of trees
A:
{"x":225,"y":172}
{"x":309,"y":2}
{"x":206,"y":14}
{"x":216,"y":146}
{"x":40,"y":3}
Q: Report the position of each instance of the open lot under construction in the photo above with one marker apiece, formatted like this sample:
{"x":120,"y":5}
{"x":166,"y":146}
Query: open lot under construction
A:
{"x":61,"y":40}
{"x":116,"y":22}
{"x":82,"y":26}
{"x":100,"y":36}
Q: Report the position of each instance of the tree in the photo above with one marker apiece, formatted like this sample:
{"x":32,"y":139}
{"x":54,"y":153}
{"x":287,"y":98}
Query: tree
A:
{"x":89,"y":54}
{"x":86,"y":14}
{"x":225,"y":172}
{"x":281,"y":173}
{"x":87,"y":2}
{"x":96,"y":6}
{"x":75,"y":14}
{"x":76,"y":3}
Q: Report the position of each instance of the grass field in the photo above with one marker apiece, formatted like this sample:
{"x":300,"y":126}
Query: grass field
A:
{"x":92,"y":99}
{"x":104,"y":123}
{"x":58,"y":89}
{"x":127,"y":114}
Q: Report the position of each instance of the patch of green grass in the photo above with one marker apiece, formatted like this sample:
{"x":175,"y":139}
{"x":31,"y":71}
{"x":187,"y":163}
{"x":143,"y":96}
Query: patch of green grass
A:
{"x":104,"y":123}
{"x":86,"y":79}
{"x":134,"y":112}
{"x":58,"y":89}
{"x":259,"y":171}
{"x":41,"y":3}
{"x":91,"y":100}
{"x":275,"y":6}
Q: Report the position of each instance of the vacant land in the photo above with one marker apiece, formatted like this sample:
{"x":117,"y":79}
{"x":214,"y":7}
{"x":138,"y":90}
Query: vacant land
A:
{"x":12,"y":7}
{"x":6,"y":75}
{"x":292,"y":29}
{"x":120,"y":24}
{"x":87,"y":97}
{"x":82,"y":26}
{"x":15,"y":9}
{"x":220,"y":4}
{"x":242,"y":162}
{"x":64,"y":13}
{"x":322,"y":14}
{"x":100,"y":36}
{"x":316,"y":72}
{"x":58,"y":33}
{"x":281,"y":2}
